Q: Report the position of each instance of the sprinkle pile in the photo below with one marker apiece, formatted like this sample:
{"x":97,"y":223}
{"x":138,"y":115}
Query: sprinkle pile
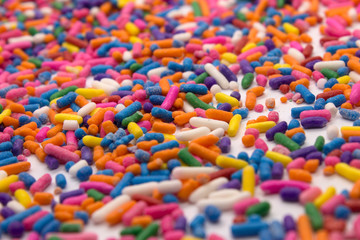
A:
{"x":139,"y":101}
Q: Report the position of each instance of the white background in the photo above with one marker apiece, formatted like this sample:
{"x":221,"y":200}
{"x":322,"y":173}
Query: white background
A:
{"x":278,"y":208}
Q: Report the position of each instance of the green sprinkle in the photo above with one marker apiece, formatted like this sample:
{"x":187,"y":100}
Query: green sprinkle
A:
{"x":247,"y":80}
{"x":188,"y":159}
{"x":57,"y":5}
{"x":35,"y":61}
{"x":280,"y":3}
{"x":328,"y":73}
{"x":314,"y":215}
{"x":133,"y":118}
{"x":263,"y":18}
{"x":70,"y":227}
{"x":197,"y":9}
{"x":136,"y":66}
{"x":63,"y":92}
{"x":149,"y":231}
{"x":319,"y":143}
{"x":58,"y":30}
{"x":201,"y":78}
{"x":96,"y":195}
{"x":54,"y":238}
{"x":1,"y":108}
{"x":261,"y":209}
{"x":241,"y":16}
{"x":135,"y":230}
{"x":21,"y":18}
{"x":196,"y":102}
{"x":96,"y":23}
{"x":284,"y":140}
{"x":32,"y":31}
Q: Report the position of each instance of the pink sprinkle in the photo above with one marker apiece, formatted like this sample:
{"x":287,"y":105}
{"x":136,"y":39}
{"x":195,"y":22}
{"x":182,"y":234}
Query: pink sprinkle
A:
{"x":16,"y":185}
{"x":252,"y":131}
{"x":259,"y":108}
{"x":260,"y":144}
{"x":273,"y":116}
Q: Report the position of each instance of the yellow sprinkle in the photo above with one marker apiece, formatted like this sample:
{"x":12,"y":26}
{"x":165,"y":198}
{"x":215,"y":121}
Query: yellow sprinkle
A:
{"x":6,"y":112}
{"x":122,"y":3}
{"x":75,"y":70}
{"x":134,"y":129}
{"x":234,"y":125}
{"x":248,"y":179}
{"x":289,"y":28}
{"x":94,"y":111}
{"x":223,"y":61}
{"x":278,"y":65}
{"x":248,"y":47}
{"x":344,"y":79}
{"x":132,"y":29}
{"x":61,"y":117}
{"x":89,"y":93}
{"x":230,"y":57}
{"x":5,"y":183}
{"x":190,"y":238}
{"x":278,"y":157}
{"x":54,"y":101}
{"x":348,"y":172}
{"x":320,"y":200}
{"x":23,"y":197}
{"x":228,"y":162}
{"x":91,"y":141}
{"x":134,"y":39}
{"x":262,"y":126}
{"x":223,"y":98}
{"x":70,"y":47}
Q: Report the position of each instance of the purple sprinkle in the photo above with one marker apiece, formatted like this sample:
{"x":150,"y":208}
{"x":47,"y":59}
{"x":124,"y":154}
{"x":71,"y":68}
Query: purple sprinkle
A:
{"x":225,"y":144}
{"x":225,"y":107}
{"x":346,"y":157}
{"x":302,"y":152}
{"x":227,"y":20}
{"x":280,"y":127}
{"x":87,"y":155}
{"x":209,"y":82}
{"x":100,"y":76}
{"x":235,"y":184}
{"x":354,"y":139}
{"x":310,"y":65}
{"x":314,"y":122}
{"x":180,"y":223}
{"x":228,"y":74}
{"x":357,"y":54}
{"x":85,"y":119}
{"x":269,"y":44}
{"x":7,"y":212}
{"x":5,"y":198}
{"x":314,"y":155}
{"x":51,"y":162}
{"x":17,"y":147}
{"x":236,"y":95}
{"x":289,"y":223}
{"x":290,"y":194}
{"x":16,"y":229}
{"x":122,"y":93}
{"x":275,"y":83}
{"x":199,"y":71}
{"x":277,"y":171}
{"x":73,"y":193}
{"x":246,"y":67}
{"x":147,"y":107}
